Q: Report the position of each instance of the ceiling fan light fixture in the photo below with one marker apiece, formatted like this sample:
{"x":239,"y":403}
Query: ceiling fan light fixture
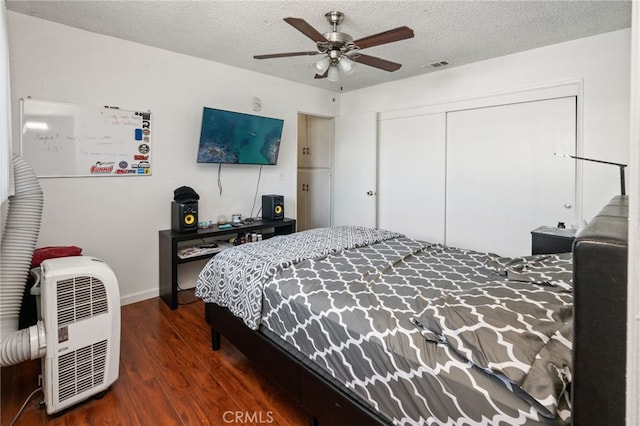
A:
{"x":322,"y":65}
{"x":336,"y":46}
{"x":333,"y":75}
{"x":347,"y":66}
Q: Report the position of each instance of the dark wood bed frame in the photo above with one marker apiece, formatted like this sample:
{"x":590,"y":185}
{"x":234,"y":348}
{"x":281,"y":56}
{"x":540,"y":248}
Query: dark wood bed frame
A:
{"x":600,"y":295}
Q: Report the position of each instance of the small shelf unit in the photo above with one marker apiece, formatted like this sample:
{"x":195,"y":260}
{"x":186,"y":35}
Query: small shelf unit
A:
{"x":170,"y":242}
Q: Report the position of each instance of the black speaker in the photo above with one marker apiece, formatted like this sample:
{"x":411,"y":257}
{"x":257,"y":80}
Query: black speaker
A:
{"x":273,"y":207}
{"x":184,"y":216}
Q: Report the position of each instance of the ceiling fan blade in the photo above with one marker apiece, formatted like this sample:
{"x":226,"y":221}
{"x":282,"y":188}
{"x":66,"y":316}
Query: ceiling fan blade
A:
{"x":306,"y":29}
{"x":284,"y":55}
{"x":400,"y":33}
{"x":372,"y":61}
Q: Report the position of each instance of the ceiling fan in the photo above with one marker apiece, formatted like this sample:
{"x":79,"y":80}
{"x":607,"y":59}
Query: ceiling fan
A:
{"x":340,"y":50}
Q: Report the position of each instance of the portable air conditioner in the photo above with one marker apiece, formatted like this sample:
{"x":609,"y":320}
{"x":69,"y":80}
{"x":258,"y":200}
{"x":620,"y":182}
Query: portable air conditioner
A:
{"x":80,"y":303}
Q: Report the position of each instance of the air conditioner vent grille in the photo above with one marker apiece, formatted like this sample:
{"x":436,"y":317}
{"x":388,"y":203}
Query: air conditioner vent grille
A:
{"x":439,"y":64}
{"x":81,"y":370}
{"x":79,"y":298}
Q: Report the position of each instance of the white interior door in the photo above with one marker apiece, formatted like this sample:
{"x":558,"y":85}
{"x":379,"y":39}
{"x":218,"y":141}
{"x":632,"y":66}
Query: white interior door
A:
{"x":411,"y":176}
{"x":503,"y":179}
{"x":354,"y":170}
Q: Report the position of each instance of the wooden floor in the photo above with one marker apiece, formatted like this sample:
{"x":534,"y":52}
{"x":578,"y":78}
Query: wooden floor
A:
{"x":168,"y":376}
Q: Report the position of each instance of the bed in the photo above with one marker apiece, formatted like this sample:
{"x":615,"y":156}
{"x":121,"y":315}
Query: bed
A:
{"x":366,"y":326}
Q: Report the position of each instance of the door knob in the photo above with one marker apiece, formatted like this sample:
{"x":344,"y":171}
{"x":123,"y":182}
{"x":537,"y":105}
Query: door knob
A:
{"x":567,"y":205}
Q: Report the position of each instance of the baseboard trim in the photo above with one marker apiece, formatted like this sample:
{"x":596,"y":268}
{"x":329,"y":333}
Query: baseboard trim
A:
{"x":139,"y":297}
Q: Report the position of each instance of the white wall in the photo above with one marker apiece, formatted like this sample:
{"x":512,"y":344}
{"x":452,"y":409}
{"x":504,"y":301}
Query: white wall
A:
{"x":601,"y":62}
{"x":117,"y":218}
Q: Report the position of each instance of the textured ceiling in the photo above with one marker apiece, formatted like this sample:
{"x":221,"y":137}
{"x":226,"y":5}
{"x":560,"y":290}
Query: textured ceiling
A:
{"x":231,"y":32}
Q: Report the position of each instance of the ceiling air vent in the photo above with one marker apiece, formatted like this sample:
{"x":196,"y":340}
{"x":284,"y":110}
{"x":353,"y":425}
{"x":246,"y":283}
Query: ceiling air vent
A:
{"x":438,"y":64}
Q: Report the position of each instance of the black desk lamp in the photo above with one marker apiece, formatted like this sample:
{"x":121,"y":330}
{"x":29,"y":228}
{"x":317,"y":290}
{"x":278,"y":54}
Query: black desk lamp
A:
{"x":622,"y":166}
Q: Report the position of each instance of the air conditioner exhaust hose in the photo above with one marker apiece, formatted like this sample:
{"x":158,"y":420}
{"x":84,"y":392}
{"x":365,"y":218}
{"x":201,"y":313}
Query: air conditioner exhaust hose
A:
{"x":19,"y":240}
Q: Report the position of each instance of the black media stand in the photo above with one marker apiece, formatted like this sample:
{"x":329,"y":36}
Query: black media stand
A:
{"x":169,"y":243}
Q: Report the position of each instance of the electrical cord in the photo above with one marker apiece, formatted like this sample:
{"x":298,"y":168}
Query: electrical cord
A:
{"x":219,"y":180}
{"x":189,"y":303}
{"x":255,"y":197}
{"x":24,"y":405}
{"x":192,"y":290}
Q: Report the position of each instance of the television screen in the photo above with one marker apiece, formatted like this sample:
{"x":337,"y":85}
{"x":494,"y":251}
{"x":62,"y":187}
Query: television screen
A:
{"x":233,"y":137}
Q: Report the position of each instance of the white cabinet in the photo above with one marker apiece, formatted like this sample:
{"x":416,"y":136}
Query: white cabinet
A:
{"x":315,"y":141}
{"x":314,"y":207}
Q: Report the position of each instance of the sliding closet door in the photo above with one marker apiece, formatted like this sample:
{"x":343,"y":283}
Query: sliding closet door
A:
{"x":411,"y":172}
{"x":503,"y":179}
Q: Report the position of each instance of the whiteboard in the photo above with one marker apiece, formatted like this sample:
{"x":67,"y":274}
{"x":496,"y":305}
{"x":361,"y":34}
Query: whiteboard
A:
{"x":66,"y":140}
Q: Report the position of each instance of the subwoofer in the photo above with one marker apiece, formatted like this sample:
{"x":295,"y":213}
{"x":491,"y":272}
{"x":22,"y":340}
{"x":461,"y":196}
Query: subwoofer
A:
{"x":273,"y":207}
{"x":184,"y":216}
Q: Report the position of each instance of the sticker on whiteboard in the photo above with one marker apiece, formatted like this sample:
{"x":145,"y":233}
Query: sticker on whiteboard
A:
{"x":101,"y":168}
{"x":143,"y":148}
{"x":138,"y":134}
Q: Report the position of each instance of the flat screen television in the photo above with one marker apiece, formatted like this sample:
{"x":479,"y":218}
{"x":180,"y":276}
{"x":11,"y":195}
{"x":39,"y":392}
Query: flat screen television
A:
{"x":237,"y":138}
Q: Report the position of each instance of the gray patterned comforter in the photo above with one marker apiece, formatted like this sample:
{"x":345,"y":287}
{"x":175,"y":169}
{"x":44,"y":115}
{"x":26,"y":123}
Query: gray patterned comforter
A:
{"x":429,"y":334}
{"x":234,"y":278}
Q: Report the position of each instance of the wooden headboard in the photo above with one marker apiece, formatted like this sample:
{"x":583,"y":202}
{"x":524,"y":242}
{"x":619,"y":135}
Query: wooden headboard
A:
{"x":600,"y":317}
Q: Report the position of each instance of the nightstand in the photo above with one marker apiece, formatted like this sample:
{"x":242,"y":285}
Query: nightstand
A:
{"x":550,"y":240}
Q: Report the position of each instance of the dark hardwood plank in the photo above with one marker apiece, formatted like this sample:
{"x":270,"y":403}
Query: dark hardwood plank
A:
{"x":206,"y":408}
{"x":168,"y":375}
{"x":18,"y":381}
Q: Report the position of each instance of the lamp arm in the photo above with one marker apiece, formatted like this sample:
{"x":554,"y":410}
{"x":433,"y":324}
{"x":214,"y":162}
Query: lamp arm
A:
{"x":620,"y":165}
{"x":594,"y":160}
